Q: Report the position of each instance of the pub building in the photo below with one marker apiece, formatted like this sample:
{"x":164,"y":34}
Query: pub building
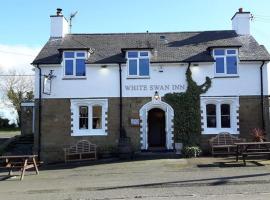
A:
{"x":100,"y":86}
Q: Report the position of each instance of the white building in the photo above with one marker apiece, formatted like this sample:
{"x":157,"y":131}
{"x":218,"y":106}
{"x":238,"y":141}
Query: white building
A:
{"x":100,"y":83}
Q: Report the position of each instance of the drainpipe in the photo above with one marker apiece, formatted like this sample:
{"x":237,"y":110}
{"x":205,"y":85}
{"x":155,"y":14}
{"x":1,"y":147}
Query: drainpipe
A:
{"x":262,"y":104}
{"x":39,"y":113}
{"x":120,"y":103}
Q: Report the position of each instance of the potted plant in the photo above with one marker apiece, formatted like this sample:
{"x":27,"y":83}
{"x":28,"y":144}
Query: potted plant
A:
{"x":178,"y":147}
{"x":258,"y":135}
{"x":192,"y":151}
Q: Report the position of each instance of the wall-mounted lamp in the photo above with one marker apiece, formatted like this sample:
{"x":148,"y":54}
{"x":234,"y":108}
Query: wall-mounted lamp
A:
{"x":156,"y":95}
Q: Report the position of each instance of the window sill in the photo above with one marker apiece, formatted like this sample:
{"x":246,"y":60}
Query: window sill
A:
{"x":213,"y":131}
{"x":90,"y":133}
{"x":226,"y":76}
{"x":74,"y":78}
{"x":138,"y":77}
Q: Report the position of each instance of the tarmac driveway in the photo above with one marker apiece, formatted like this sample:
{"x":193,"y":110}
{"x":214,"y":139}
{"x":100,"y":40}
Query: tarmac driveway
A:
{"x":201,"y":178}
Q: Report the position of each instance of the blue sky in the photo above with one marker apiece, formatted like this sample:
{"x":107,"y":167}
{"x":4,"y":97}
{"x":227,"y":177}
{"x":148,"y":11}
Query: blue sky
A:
{"x":25,"y":24}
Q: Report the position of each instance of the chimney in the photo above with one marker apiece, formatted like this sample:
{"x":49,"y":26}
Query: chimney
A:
{"x":241,"y":22}
{"x":59,"y":24}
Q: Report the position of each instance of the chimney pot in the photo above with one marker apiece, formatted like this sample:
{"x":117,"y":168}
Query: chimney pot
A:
{"x":240,"y":10}
{"x":58,"y":11}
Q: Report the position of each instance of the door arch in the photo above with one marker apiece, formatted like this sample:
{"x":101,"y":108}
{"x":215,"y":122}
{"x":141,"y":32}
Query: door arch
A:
{"x":169,"y":115}
{"x":156,"y":129}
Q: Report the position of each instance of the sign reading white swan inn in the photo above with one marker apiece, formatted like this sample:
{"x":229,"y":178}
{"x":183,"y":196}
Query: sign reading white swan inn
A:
{"x":167,"y":87}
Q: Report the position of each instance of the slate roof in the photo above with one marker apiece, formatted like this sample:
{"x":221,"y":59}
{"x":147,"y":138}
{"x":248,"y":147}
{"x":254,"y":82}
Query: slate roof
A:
{"x":180,"y":46}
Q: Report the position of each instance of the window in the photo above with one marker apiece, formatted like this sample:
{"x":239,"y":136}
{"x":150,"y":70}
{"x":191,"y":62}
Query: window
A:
{"x":74,"y":64}
{"x":97,"y":117}
{"x":211,"y":115}
{"x":138,"y":63}
{"x":226,"y":62}
{"x":220,"y":114}
{"x":83,"y":117}
{"x":88,"y":117}
{"x":225,"y":116}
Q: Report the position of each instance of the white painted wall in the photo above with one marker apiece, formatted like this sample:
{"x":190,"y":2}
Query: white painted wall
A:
{"x":241,"y":23}
{"x":104,"y":82}
{"x":59,"y":26}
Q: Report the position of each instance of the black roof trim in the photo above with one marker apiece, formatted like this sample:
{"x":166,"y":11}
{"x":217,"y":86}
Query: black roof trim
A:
{"x":239,"y":13}
{"x":232,"y":46}
{"x":141,"y":48}
{"x":254,"y":60}
{"x":197,"y":61}
{"x":73,"y":49}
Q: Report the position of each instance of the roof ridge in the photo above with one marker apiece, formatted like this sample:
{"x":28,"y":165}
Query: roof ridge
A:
{"x":135,"y":33}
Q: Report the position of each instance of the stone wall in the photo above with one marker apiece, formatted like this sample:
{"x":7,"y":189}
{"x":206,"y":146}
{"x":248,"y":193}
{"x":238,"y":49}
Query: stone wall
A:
{"x":249,"y":115}
{"x":56,"y":124}
{"x":26,"y":120}
{"x":249,"y":118}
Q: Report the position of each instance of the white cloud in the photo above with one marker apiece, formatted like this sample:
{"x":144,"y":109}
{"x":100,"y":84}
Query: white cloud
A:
{"x":19,"y":58}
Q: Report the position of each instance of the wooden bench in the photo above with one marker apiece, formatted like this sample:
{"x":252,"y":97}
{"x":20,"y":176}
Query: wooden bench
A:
{"x":224,"y":141}
{"x":22,"y":162}
{"x":83,"y":150}
{"x":252,"y":149}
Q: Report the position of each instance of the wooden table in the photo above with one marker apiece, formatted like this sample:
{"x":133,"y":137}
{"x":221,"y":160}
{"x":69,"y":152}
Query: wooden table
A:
{"x":23,"y":162}
{"x":251,"y":148}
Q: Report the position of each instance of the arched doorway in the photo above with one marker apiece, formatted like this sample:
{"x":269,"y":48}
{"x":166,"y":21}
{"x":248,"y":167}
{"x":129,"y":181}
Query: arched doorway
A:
{"x":156,"y":129}
{"x":168,"y":124}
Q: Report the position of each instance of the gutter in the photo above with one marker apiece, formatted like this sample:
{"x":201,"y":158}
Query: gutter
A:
{"x":122,"y":135}
{"x":262,"y":101}
{"x":39,"y":113}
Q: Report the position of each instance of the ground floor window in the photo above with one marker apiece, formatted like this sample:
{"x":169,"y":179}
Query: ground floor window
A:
{"x":83,"y":117}
{"x":219,"y":114}
{"x":88,"y":117}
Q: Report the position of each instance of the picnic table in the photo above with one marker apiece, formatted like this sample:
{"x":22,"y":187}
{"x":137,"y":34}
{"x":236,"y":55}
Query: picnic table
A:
{"x":251,"y":148}
{"x":23,"y":162}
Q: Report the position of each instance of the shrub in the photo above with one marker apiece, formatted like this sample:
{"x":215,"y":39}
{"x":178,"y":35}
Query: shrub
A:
{"x":192,"y":151}
{"x":258,"y":135}
{"x":187,"y":115}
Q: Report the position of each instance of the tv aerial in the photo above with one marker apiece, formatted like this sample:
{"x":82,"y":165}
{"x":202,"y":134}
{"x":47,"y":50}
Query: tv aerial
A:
{"x":71,"y":16}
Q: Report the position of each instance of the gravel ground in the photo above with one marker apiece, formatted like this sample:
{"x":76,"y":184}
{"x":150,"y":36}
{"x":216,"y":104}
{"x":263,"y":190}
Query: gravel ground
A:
{"x":200,"y":178}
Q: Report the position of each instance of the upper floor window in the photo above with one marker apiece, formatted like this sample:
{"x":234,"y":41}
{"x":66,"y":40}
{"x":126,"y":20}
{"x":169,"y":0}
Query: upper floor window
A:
{"x":138,"y":63}
{"x":74,"y":63}
{"x":226,"y":62}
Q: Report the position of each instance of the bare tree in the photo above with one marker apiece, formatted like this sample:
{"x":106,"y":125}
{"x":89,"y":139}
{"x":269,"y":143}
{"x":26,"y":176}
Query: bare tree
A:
{"x":16,"y":87}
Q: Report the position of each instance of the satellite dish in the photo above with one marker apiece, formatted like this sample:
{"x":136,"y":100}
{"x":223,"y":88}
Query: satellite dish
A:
{"x":71,"y":16}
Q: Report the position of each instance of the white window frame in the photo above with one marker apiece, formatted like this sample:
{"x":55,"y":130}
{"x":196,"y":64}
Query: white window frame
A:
{"x":75,"y":104}
{"x":225,"y":62}
{"x":234,"y":115}
{"x":138,"y":60}
{"x":74,"y":63}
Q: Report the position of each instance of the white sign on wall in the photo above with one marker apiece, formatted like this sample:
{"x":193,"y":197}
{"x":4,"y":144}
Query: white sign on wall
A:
{"x":47,"y":86}
{"x":168,"y":87}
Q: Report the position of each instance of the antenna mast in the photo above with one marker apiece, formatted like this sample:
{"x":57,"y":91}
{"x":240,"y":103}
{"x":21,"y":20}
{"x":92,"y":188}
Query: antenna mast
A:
{"x":71,"y":16}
